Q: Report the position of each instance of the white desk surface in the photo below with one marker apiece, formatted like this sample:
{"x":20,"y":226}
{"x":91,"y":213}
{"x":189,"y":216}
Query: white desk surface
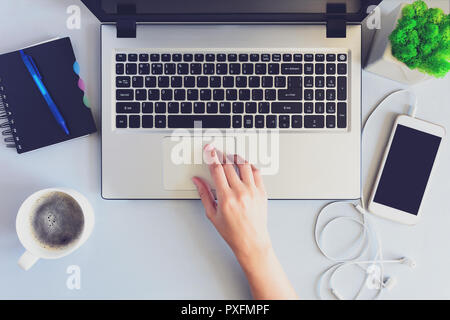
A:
{"x":168,"y":249}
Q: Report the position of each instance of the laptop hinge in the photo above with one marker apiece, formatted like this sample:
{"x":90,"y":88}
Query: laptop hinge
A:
{"x":126,"y":26}
{"x":336,"y":20}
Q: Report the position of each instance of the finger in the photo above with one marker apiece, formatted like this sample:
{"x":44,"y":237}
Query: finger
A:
{"x":258,"y":178}
{"x":205,"y":193}
{"x":216,"y":169}
{"x":244,"y":169}
{"x":228,"y":167}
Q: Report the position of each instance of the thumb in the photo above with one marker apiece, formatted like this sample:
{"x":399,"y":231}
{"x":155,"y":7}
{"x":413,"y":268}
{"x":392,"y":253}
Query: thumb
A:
{"x":205,"y":193}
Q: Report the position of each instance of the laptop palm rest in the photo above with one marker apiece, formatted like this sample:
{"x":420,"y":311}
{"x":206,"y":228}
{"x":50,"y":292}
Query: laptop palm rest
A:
{"x":183,"y":159}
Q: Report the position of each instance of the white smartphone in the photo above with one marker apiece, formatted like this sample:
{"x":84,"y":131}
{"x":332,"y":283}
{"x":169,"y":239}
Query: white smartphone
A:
{"x":405,"y":171}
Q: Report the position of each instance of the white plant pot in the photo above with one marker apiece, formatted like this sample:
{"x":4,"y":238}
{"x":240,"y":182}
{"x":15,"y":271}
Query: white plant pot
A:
{"x":382,"y":62}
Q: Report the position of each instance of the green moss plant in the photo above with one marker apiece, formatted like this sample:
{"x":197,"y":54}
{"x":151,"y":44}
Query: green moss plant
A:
{"x":421,"y":39}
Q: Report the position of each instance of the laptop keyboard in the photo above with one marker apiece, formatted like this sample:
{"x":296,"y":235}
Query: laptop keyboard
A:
{"x":294,"y":90}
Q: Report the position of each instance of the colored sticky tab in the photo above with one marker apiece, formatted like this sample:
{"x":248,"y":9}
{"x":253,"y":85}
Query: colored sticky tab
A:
{"x":81,"y":85}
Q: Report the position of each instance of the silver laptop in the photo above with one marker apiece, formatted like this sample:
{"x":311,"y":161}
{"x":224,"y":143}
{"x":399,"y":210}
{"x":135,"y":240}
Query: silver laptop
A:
{"x":278,"y":82}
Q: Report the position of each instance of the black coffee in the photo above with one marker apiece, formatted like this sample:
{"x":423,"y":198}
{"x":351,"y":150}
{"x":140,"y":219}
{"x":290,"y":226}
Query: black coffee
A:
{"x":57,"y":220}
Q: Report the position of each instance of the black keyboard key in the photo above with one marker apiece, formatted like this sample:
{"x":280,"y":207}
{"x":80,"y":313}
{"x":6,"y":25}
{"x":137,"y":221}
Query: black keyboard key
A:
{"x":309,"y":107}
{"x":140,"y":94}
{"x":121,"y":57}
{"x":244,"y":94}
{"x":254,"y":57}
{"x":228,"y":82}
{"x":320,"y":68}
{"x":235,"y":68}
{"x":342,"y":68}
{"x":221,"y":57}
{"x":331,"y":57}
{"x":144,"y":68}
{"x":120,"y":68}
{"x":225,"y":107}
{"x":207,"y":121}
{"x":286,"y":107}
{"x":271,"y":121}
{"x":176,"y":82}
{"x":259,"y":121}
{"x":218,"y":94}
{"x":160,"y":107}
{"x":320,"y":82}
{"x":243,"y":57}
{"x":143,"y":57}
{"x":342,"y":57}
{"x":199,"y":57}
{"x":186,"y":107}
{"x":294,"y":82}
{"x":150,"y":82}
{"x":179,"y":94}
{"x":210,"y":57}
{"x":263,"y":107}
{"x":248,"y":121}
{"x":260,"y":68}
{"x":265,"y":57}
{"x":199,"y":107}
{"x":132,"y":57}
{"x":157,"y":68}
{"x":208,"y":68}
{"x":309,"y":94}
{"x":314,"y":122}
{"x":257,"y":94}
{"x":173,"y":107}
{"x":176,"y":57}
{"x":232,"y":57}
{"x":342,"y":88}
{"x":183,"y":68}
{"x":331,"y":107}
{"x":247,"y":68}
{"x":231,"y":94}
{"x":331,"y":68}
{"x":320,"y":94}
{"x":154,"y":57}
{"x":330,"y":121}
{"x":202,"y":82}
{"x":237,"y":121}
{"x":254,"y":82}
{"x":147,"y":121}
{"x":241,"y":82}
{"x":147,"y":107}
{"x":320,"y":107}
{"x":131,"y":68}
{"x":127,"y":107}
{"x":267,"y":82}
{"x":123,"y":82}
{"x":309,"y":57}
{"x":298,"y":57}
{"x":283,"y":121}
{"x":331,"y":82}
{"x":153,"y":94}
{"x":215,"y":82}
{"x":320,"y":57}
{"x":138,"y":82}
{"x":309,"y":82}
{"x":331,"y":94}
{"x":280,"y":82}
{"x":166,"y":94}
{"x":291,"y":68}
{"x":296,"y":121}
{"x":238,"y":107}
{"x":124,"y":94}
{"x":287,"y":57}
{"x":165,"y":57}
{"x":276,"y":57}
{"x":250,"y":107}
{"x":160,"y":121}
{"x":309,"y":68}
{"x":212,"y":107}
{"x":221,"y":68}
{"x":163,"y":81}
{"x":121,"y":122}
{"x":134,"y":121}
{"x":187,"y":57}
{"x":205,"y":94}
{"x":189,"y":82}
{"x":293,"y":94}
{"x":169,"y":68}
{"x":341,"y":115}
{"x":192,"y":94}
{"x":270,"y":94}
{"x":274,"y":68}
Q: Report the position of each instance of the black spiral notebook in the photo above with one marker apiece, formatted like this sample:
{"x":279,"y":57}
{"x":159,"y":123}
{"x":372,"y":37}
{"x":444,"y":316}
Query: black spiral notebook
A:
{"x":28,"y":122}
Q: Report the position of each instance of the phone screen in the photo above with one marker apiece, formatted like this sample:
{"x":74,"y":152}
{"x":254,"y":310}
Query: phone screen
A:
{"x":407,"y":169}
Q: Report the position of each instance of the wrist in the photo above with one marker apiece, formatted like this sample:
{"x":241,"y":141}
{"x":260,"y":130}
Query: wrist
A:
{"x":256,"y":257}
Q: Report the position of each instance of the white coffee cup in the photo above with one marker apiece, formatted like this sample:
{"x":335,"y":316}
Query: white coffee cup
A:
{"x":35,"y":250}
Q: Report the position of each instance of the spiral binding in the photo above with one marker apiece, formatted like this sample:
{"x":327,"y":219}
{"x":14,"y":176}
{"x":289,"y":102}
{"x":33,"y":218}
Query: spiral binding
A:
{"x":9,"y":131}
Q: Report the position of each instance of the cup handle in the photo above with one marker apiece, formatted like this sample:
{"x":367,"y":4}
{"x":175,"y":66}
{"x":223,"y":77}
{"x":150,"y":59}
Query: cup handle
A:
{"x":27,"y":260}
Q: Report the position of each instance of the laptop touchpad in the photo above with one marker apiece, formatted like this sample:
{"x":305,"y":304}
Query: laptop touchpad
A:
{"x":183,"y":159}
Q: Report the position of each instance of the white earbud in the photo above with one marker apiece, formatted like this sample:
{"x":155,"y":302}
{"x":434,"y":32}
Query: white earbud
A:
{"x":408,"y":261}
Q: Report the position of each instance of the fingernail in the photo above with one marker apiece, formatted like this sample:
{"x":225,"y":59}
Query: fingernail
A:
{"x":209,"y":147}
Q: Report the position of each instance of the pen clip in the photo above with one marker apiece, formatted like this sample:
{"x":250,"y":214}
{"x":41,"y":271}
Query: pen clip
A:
{"x":29,"y":60}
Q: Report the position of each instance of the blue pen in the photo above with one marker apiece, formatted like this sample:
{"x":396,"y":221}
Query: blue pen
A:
{"x":31,"y":66}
